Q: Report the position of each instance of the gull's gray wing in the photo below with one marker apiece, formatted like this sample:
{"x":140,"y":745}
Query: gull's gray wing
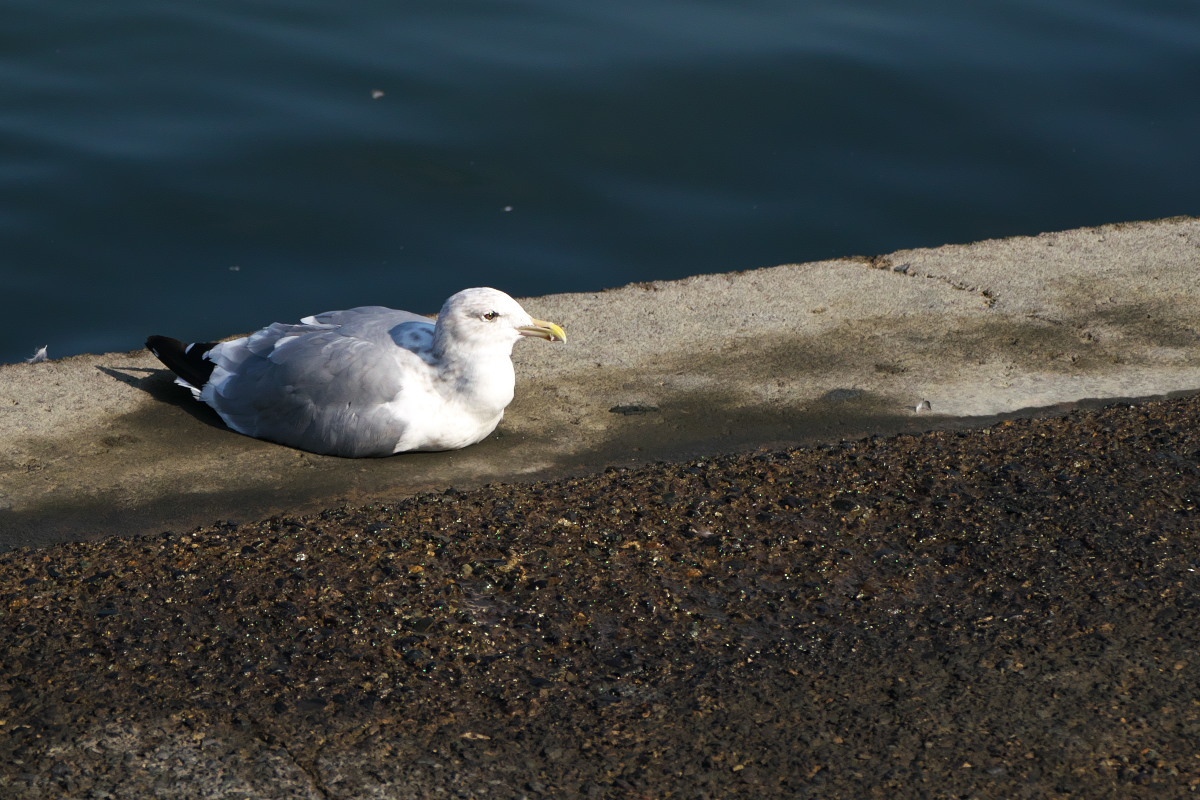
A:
{"x":364,"y":319}
{"x":406,"y":329}
{"x":322,"y":385}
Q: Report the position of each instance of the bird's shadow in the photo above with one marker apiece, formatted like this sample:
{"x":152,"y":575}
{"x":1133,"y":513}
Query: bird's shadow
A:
{"x":160,"y":384}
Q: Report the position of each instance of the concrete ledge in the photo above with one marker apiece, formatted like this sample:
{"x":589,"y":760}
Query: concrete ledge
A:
{"x":101,"y":445}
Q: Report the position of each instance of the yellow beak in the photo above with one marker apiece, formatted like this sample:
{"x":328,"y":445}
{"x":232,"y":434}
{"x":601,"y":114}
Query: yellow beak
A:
{"x":544,"y":330}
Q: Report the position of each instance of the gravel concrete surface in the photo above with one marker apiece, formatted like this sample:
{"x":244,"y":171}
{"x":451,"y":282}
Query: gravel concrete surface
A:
{"x":1009,"y":612}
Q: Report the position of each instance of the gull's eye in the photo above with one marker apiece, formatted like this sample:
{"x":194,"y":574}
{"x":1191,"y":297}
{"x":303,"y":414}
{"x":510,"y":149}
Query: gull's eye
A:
{"x":491,"y":315}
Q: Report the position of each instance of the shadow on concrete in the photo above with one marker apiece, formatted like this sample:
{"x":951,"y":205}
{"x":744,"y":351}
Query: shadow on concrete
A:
{"x":160,"y":384}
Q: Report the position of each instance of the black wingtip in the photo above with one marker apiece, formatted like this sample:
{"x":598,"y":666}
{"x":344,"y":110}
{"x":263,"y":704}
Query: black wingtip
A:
{"x":157,"y":344}
{"x":186,"y":361}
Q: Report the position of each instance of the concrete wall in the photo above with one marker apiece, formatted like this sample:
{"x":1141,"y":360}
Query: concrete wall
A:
{"x":101,"y":445}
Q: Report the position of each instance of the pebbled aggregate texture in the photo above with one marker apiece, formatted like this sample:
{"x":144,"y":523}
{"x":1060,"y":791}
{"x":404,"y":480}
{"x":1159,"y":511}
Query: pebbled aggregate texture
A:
{"x":1000,"y":613}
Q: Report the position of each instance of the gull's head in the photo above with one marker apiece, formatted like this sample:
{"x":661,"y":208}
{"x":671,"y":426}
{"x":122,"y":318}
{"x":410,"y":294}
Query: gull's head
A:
{"x":489,"y":319}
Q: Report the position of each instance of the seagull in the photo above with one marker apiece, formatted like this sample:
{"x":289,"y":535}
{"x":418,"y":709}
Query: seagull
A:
{"x":369,"y":381}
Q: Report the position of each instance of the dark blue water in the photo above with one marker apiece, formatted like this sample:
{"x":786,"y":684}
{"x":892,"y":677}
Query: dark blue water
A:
{"x":199,"y":169}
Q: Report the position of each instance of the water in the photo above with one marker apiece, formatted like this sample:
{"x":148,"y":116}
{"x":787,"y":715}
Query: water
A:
{"x":199,"y":169}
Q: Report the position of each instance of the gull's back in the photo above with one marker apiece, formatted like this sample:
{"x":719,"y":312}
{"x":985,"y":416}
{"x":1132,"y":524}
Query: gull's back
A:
{"x":338,"y":383}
